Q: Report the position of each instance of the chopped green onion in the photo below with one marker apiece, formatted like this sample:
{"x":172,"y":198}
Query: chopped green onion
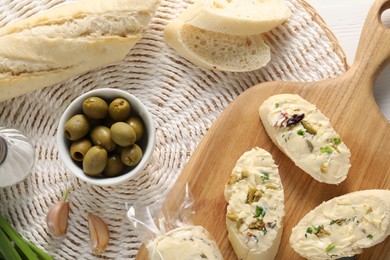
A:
{"x":300,"y":132}
{"x":326,"y":149}
{"x":276,"y":105}
{"x":316,"y":229}
{"x":309,"y":230}
{"x":336,"y":140}
{"x":260,"y":212}
{"x":330,"y":248}
{"x":370,"y":236}
{"x":265,"y":176}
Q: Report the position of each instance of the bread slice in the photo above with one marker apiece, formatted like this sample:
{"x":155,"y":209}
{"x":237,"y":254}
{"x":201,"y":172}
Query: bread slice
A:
{"x":306,"y":136}
{"x":237,"y":17}
{"x":184,"y":243}
{"x":255,"y":208}
{"x":217,"y":51}
{"x":343,"y":226}
{"x":69,"y":40}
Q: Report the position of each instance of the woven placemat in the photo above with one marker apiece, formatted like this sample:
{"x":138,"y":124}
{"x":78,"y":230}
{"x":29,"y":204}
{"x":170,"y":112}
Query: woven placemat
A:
{"x":184,"y":101}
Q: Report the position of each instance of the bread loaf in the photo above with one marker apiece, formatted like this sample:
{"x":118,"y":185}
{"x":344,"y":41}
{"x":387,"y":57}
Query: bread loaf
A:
{"x":71,"y":39}
{"x":237,"y":17}
{"x":217,"y":51}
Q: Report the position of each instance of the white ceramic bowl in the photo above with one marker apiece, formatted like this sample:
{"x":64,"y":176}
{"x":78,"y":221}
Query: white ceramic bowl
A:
{"x":147,"y":142}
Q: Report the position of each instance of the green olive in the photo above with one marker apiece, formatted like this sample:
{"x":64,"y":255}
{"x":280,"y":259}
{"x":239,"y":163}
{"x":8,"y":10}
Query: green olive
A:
{"x":131,"y":155}
{"x":95,"y":161}
{"x":100,"y":135}
{"x":138,"y":126}
{"x":95,"y":108}
{"x":79,"y":148}
{"x":119,"y":109}
{"x":76,"y":127}
{"x":122,"y":134}
{"x":114,"y":166}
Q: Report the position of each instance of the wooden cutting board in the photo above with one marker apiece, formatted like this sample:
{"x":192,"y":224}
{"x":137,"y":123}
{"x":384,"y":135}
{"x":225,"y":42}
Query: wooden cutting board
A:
{"x":348,"y":102}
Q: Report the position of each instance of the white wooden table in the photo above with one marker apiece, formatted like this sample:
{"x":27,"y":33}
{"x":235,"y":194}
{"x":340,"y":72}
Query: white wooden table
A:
{"x":345,"y":18}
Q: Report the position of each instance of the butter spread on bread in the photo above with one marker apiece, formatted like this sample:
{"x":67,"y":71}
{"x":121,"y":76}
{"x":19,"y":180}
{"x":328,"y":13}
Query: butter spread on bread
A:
{"x":343,"y":226}
{"x":217,"y":51}
{"x":184,"y":243}
{"x":237,"y":17}
{"x":69,"y":40}
{"x":255,"y":208}
{"x":306,"y":136}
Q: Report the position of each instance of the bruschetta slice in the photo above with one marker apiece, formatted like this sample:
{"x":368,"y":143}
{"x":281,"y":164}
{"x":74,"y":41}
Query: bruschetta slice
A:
{"x":343,"y":226}
{"x":255,"y":208}
{"x":306,"y":136}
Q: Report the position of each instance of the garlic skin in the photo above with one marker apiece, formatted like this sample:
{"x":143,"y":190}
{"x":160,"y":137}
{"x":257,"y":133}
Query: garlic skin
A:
{"x":98,"y":234}
{"x":57,"y":217}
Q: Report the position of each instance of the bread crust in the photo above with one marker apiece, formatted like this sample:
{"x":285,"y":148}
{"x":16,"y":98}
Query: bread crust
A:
{"x":55,"y":52}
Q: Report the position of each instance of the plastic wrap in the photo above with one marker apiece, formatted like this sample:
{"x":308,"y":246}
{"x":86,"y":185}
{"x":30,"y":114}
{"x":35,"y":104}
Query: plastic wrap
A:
{"x":172,"y":235}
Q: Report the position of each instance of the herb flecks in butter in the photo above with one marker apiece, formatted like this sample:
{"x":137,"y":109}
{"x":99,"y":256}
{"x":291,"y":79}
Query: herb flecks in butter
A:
{"x":260,"y":212}
{"x":300,"y":132}
{"x":336,"y":140}
{"x":265,"y":176}
{"x":330,"y":248}
{"x":326,"y":149}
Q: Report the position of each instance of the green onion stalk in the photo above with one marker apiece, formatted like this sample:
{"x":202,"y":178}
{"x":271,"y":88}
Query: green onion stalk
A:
{"x":14,"y":246}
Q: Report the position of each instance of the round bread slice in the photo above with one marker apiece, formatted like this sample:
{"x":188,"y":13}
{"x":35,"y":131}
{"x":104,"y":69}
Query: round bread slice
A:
{"x":255,"y":210}
{"x":305,"y":135}
{"x":217,"y":51}
{"x":184,"y":243}
{"x":343,"y":226}
{"x":237,"y":17}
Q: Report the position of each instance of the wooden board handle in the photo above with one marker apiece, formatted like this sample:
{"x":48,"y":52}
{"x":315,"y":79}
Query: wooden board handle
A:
{"x":373,"y":53}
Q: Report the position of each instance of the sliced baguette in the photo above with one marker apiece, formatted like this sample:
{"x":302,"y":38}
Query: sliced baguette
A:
{"x":343,"y":226}
{"x":217,"y":51}
{"x":69,"y":40}
{"x":311,"y":142}
{"x":237,"y":17}
{"x":255,"y":208}
{"x":184,"y":243}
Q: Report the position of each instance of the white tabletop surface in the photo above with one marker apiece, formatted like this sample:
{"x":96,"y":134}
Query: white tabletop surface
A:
{"x":345,"y":18}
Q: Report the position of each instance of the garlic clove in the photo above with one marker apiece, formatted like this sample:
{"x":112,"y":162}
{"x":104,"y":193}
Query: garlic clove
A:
{"x":98,"y":234}
{"x":57,"y":218}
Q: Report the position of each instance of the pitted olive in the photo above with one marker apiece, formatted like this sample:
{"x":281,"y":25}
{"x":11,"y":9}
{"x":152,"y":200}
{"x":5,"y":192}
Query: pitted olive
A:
{"x":114,"y":166}
{"x":95,"y":161}
{"x":76,"y":127}
{"x":95,"y":108}
{"x":119,"y":109}
{"x":131,"y":155}
{"x":79,"y":148}
{"x":122,"y":134}
{"x":138,"y":126}
{"x":100,"y":135}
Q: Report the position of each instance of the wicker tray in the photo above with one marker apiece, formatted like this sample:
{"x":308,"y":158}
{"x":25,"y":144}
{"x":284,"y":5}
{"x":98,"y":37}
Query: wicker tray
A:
{"x":184,"y":101}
